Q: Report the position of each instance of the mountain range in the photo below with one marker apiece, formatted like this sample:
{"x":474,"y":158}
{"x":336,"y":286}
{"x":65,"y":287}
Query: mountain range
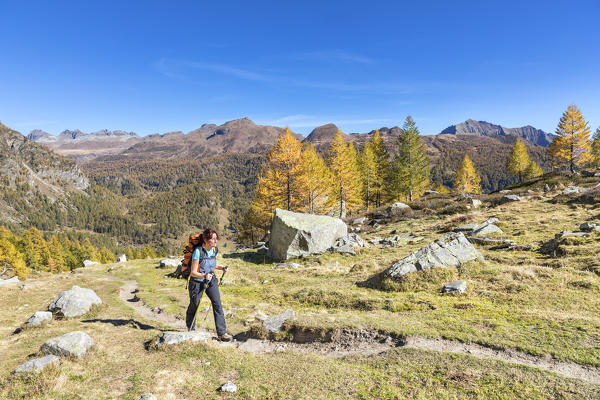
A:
{"x":242,"y":136}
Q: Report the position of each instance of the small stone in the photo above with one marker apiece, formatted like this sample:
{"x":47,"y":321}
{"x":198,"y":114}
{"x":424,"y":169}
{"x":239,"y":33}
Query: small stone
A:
{"x":589,"y":226}
{"x":229,"y":387}
{"x":455,"y":287}
{"x":359,"y":221}
{"x":265,"y":282}
{"x":37,"y":365}
{"x":275,"y":323}
{"x":504,"y":191}
{"x":38,"y":318}
{"x":546,"y":188}
{"x":476,"y":203}
{"x":572,"y":190}
{"x":346,"y":249}
{"x":123,"y":258}
{"x":88,"y":263}
{"x":487,"y":230}
{"x":173,"y":337}
{"x":169,"y":263}
{"x":147,"y":396}
{"x":509,"y":198}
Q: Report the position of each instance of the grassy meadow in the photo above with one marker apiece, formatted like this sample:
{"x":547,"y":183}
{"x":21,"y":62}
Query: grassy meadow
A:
{"x":542,"y":303}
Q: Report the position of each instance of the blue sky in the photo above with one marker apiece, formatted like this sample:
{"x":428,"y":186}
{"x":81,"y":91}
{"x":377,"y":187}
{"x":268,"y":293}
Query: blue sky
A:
{"x":158,"y":66}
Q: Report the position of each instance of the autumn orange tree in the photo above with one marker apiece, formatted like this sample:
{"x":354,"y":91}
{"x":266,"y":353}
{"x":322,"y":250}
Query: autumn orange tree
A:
{"x":518,"y":160}
{"x":571,"y":146}
{"x":342,"y":162}
{"x":318,"y":182}
{"x":595,"y":147}
{"x":371,"y":175}
{"x":467,"y":179}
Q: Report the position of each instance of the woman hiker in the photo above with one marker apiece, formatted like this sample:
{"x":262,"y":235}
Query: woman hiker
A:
{"x":202,"y":278}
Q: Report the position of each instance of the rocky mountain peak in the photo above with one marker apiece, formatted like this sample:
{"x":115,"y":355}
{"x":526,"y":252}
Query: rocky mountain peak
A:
{"x":484,"y":128}
{"x":322,"y":133}
{"x":38,"y":134}
{"x":72,"y":134}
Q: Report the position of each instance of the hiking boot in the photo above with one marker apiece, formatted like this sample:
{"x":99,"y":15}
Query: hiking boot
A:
{"x":226,"y":337}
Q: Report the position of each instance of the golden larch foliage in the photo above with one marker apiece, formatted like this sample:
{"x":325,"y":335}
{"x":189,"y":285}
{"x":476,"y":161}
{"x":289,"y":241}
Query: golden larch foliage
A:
{"x":467,"y":179}
{"x":518,"y":160}
{"x":318,"y":182}
{"x":342,"y":162}
{"x":572,"y":146}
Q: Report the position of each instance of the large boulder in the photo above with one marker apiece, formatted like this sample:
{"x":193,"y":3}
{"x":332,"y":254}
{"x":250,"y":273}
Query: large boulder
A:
{"x":74,"y":302}
{"x":298,"y":234}
{"x":74,"y":344}
{"x":509,"y":198}
{"x":37,"y":364}
{"x":451,"y":250}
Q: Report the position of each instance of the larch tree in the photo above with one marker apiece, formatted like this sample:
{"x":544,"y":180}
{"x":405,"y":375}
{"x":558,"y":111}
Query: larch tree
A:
{"x":12,"y":259}
{"x":595,"y":147}
{"x":342,"y":162}
{"x":467,"y":179}
{"x":318,"y":181}
{"x":571,"y":146}
{"x":533,"y":170}
{"x":518,"y":160}
{"x":383,"y":166}
{"x":36,"y":249}
{"x":410,"y":171}
{"x":57,"y":257}
{"x":370,"y":174}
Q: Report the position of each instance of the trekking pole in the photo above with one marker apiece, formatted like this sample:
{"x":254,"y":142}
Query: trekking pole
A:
{"x":197,"y":309}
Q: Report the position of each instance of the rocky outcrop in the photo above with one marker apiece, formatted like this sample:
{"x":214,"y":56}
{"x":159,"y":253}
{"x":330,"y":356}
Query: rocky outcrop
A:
{"x":509,"y":198}
{"x":483,"y":128}
{"x":455,"y":287}
{"x":274,"y":323}
{"x":72,"y":344}
{"x":298,"y":234}
{"x":74,"y":302}
{"x":450,"y":250}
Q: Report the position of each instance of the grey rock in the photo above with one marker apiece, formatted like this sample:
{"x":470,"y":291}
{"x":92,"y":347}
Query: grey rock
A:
{"x":455,"y":287}
{"x":476,"y":203}
{"x":359,"y":221}
{"x":89,"y":263}
{"x":509,"y":198}
{"x":397,"y":207}
{"x":489,"y":241}
{"x":74,"y":302}
{"x":504,"y":191}
{"x":289,"y":265}
{"x":298,"y":234}
{"x":345,"y":249}
{"x":569,"y":233}
{"x":589,"y":226}
{"x":376,"y":226}
{"x":37,"y":365}
{"x":546,"y":188}
{"x":122,"y":258}
{"x":38,"y":318}
{"x":229,"y":387}
{"x":274,"y":323}
{"x":170,"y":263}
{"x":573,"y":189}
{"x":466,"y":228}
{"x":73,"y":344}
{"x":147,"y":396}
{"x":352,"y":239}
{"x":174,"y":337}
{"x":430,"y":192}
{"x":451,"y":250}
{"x":487,"y":230}
{"x":555,"y":187}
{"x":10,"y":280}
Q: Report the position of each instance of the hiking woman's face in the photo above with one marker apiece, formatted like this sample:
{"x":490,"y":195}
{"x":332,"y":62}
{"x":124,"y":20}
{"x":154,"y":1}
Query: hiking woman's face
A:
{"x":213,"y":240}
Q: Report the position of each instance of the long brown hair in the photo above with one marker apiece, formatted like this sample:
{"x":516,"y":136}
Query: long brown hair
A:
{"x":207,"y":234}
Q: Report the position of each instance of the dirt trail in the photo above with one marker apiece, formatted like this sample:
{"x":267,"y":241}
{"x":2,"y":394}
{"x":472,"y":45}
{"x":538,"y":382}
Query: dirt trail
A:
{"x":340,"y":349}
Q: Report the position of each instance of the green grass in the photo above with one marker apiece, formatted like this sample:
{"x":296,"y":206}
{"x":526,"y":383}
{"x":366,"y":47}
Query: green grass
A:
{"x":531,"y":301}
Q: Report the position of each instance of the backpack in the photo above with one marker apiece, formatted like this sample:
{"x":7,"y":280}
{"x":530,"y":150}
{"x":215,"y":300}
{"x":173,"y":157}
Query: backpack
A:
{"x":193,"y":242}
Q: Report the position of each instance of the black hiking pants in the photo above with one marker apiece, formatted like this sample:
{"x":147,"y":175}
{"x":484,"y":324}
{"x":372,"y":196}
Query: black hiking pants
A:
{"x":212,"y":291}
